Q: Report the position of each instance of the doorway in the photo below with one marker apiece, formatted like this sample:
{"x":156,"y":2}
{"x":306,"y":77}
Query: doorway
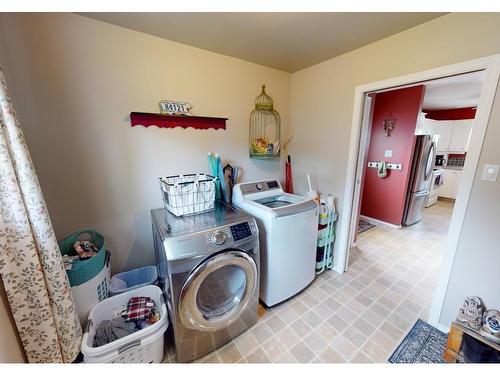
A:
{"x":358,"y":162}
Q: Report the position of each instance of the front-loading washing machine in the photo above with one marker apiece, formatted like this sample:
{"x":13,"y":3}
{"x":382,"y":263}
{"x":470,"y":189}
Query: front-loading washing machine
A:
{"x":208,"y":267}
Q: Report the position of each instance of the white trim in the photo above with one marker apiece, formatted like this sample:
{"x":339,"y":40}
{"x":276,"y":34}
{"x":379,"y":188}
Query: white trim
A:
{"x":365,"y":136}
{"x":380,"y":222}
{"x":441,"y":327}
{"x":491,"y":65}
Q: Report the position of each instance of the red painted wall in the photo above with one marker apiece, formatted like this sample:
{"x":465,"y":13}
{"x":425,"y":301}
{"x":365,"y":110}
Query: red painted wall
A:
{"x":451,"y":114}
{"x":384,"y":199}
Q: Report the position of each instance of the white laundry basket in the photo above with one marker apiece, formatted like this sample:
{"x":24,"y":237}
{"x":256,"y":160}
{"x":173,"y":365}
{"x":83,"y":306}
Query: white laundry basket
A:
{"x":144,"y":346}
{"x":90,"y":293}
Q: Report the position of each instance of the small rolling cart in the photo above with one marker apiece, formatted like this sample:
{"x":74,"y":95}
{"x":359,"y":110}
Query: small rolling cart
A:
{"x":326,"y":236}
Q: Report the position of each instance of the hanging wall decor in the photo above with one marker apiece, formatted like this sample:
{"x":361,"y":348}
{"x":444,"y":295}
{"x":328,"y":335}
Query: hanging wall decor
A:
{"x":265,"y":129}
{"x":389,"y":125}
{"x":172,"y":107}
{"x":175,"y":114}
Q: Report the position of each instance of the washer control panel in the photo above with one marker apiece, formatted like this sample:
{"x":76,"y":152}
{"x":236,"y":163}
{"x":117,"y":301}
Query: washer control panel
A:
{"x":230,"y":234}
{"x":241,"y":231}
{"x":219,"y":238}
{"x":259,"y":186}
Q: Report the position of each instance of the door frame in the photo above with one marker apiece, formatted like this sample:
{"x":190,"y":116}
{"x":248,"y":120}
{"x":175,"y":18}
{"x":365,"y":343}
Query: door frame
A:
{"x":358,"y":149}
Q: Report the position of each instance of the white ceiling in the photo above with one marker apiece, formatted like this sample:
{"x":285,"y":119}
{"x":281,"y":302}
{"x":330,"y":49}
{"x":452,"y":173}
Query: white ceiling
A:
{"x":454,"y":92}
{"x":285,"y":41}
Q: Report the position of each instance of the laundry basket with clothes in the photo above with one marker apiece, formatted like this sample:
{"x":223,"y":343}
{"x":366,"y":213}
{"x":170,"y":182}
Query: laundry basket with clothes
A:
{"x":127,"y":328}
{"x":84,"y":255}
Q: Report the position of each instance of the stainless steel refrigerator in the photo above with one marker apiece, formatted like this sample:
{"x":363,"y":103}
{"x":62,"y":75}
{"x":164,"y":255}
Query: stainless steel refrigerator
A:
{"x":420,"y":178}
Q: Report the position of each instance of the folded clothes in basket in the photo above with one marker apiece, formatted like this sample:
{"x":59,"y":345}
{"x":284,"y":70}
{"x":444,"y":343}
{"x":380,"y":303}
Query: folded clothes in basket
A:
{"x":142,"y":310}
{"x":138,"y":308}
{"x":85,"y":249}
{"x":111,"y":330}
{"x":139,"y":313}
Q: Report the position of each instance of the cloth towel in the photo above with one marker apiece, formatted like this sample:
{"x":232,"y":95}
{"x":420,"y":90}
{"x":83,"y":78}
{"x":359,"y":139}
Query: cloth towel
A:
{"x":382,"y":170}
{"x":138,"y":308}
{"x":111,"y":330}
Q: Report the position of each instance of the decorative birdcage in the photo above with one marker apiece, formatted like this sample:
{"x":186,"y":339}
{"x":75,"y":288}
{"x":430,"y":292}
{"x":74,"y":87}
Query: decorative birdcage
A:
{"x":265,"y":124}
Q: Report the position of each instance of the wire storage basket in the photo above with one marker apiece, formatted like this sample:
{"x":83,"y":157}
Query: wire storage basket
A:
{"x":188,"y":194}
{"x":265,"y":124}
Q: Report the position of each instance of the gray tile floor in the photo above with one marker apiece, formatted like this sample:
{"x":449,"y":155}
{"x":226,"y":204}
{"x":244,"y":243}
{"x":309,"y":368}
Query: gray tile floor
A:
{"x":359,"y":316}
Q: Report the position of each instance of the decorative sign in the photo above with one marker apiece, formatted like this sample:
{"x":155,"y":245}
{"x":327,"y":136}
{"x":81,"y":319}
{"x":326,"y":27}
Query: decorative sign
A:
{"x":389,"y":125}
{"x":171,"y":107}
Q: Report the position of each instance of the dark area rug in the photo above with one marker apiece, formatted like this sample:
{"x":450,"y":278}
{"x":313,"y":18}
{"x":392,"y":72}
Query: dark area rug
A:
{"x":423,"y":344}
{"x":364,"y":225}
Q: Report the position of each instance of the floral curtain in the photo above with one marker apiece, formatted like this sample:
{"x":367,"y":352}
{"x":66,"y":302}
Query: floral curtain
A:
{"x":31,"y":266}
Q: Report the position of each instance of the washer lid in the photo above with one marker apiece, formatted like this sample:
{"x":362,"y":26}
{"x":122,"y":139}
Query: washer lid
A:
{"x":286,"y":204}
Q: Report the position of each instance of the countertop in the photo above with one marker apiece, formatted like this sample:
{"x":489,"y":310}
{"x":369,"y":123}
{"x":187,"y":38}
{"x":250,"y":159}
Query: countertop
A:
{"x":450,"y":168}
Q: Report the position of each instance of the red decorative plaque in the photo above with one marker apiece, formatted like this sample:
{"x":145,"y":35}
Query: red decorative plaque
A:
{"x":173,"y":121}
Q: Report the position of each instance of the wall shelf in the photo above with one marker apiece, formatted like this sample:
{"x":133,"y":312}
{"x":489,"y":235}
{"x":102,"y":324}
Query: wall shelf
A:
{"x":264,"y":156}
{"x":173,"y":121}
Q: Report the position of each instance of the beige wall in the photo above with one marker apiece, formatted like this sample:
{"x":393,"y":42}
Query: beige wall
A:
{"x":75,"y":81}
{"x":11,"y":350}
{"x":321,"y":114}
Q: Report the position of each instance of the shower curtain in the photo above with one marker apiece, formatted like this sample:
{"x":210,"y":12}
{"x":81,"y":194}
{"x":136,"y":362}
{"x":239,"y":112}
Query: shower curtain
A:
{"x":31,"y":266}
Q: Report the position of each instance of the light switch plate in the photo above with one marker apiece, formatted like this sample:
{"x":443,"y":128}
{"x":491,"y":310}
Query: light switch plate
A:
{"x":388,"y":153}
{"x":490,"y":172}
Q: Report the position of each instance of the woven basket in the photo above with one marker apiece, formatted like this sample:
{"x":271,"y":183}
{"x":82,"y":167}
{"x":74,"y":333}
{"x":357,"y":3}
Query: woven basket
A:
{"x":84,"y":270}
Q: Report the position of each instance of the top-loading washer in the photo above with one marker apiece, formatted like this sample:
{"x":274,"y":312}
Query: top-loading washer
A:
{"x":288,"y":226}
{"x":208,"y":267}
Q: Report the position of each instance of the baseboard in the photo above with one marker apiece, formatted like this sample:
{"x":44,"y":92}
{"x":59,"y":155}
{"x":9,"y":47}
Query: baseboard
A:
{"x":379,"y":222}
{"x":444,"y":199}
{"x":441,"y":327}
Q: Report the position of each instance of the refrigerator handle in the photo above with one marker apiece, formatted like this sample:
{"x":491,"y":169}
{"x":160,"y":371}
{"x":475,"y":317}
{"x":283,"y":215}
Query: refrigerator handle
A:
{"x":422,"y":194}
{"x":430,"y":161}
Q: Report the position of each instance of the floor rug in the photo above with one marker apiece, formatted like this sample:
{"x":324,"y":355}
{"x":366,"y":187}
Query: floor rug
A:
{"x":364,"y":225}
{"x":423,"y":344}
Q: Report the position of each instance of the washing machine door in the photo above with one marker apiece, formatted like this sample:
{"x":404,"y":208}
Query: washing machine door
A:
{"x":218,"y":290}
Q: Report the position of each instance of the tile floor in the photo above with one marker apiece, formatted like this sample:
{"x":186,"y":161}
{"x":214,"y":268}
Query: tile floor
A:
{"x":359,"y":316}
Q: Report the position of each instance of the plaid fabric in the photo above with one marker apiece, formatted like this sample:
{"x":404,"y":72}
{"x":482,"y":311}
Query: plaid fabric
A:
{"x":138,"y":308}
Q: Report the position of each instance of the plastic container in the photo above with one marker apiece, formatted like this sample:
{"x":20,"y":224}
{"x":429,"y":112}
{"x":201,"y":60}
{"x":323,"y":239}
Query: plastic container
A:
{"x":144,"y":346}
{"x":84,"y":270}
{"x":90,"y":293}
{"x":133,"y":279}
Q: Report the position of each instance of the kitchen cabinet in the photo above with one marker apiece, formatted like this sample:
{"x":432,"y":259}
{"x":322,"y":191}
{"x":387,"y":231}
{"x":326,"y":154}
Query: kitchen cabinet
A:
{"x":454,"y":136}
{"x":424,"y":125}
{"x":461,"y":136}
{"x":456,"y":183}
{"x":451,"y":182}
{"x":445,"y":130}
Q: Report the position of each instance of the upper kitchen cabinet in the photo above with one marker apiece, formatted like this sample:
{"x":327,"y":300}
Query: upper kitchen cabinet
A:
{"x":460,"y":138}
{"x":424,"y":125}
{"x":454,"y":135}
{"x":445,"y":131}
